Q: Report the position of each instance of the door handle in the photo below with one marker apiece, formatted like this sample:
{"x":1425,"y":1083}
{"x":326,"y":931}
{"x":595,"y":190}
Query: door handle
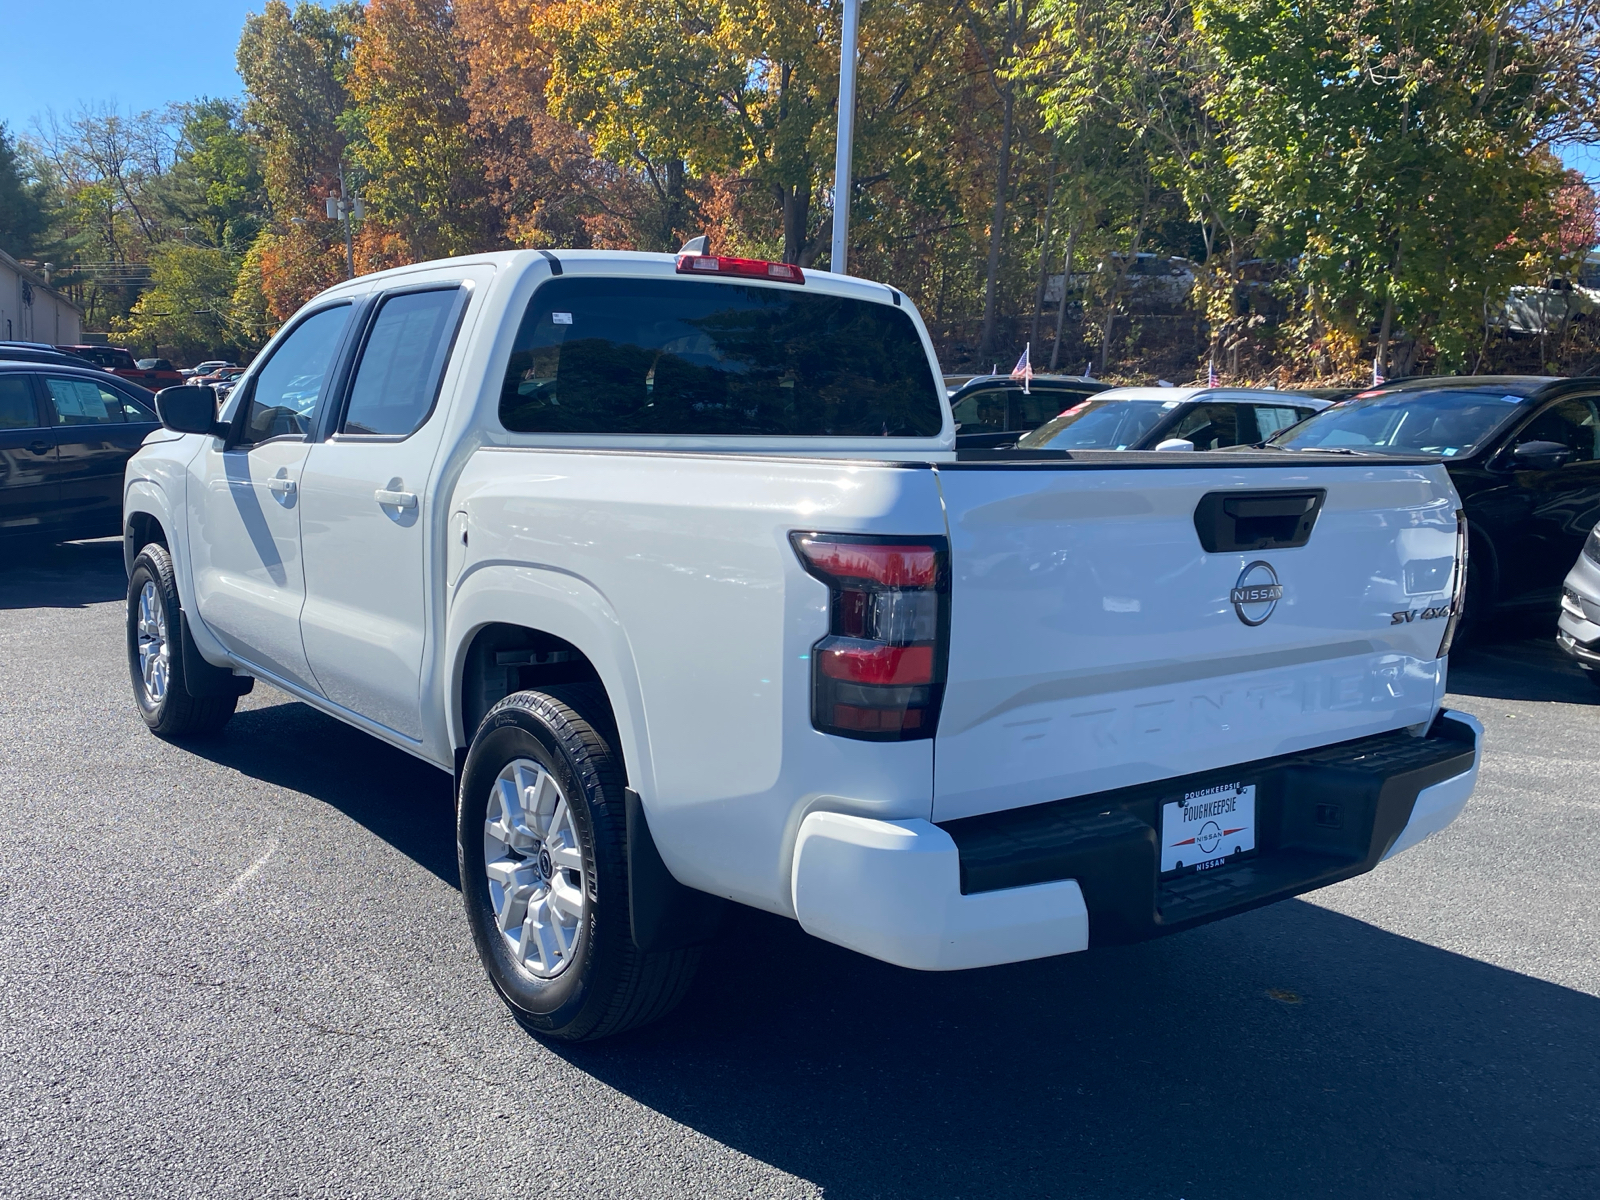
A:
{"x":396,"y":499}
{"x":39,"y":447}
{"x":284,"y":487}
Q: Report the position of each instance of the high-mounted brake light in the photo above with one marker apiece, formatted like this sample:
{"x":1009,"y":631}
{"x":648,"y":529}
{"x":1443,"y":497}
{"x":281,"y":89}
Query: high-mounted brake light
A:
{"x":749,"y":268}
{"x":879,"y":674}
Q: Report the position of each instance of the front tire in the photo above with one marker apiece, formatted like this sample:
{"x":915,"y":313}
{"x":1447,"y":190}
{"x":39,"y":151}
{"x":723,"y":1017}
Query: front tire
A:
{"x":156,"y":666}
{"x":541,"y":841}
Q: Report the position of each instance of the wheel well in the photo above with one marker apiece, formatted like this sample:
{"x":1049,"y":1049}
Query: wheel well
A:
{"x":141,"y":530}
{"x":512,"y":658}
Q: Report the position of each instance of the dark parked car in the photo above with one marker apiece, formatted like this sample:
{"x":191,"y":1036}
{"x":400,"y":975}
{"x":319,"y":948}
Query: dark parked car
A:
{"x":1143,"y":418}
{"x":40,"y":353}
{"x":157,"y":373}
{"x":995,"y":410}
{"x":66,"y":434}
{"x":1523,"y":452}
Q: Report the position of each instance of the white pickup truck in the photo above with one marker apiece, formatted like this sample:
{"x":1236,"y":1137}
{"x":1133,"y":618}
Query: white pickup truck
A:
{"x":672,"y":562}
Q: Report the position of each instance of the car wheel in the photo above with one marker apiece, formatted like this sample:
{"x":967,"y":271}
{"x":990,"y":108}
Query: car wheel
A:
{"x":541,"y":840}
{"x":154,"y":624}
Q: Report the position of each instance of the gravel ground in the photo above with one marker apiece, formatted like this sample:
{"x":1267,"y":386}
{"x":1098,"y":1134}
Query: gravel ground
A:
{"x":239,"y":968}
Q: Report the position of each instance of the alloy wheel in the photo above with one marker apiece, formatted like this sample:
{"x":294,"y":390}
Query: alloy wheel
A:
{"x":535,"y":868}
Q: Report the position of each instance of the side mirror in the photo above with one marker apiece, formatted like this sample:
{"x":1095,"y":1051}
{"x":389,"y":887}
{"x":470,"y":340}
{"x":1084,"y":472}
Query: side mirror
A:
{"x":1540,"y":456}
{"x":1175,"y":444}
{"x":188,"y":408}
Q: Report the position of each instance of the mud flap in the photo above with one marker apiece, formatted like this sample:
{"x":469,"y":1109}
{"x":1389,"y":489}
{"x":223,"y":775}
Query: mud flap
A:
{"x":664,"y":913}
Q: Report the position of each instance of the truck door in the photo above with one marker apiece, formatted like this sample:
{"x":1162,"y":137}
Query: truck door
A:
{"x":365,"y":516}
{"x":244,"y":503}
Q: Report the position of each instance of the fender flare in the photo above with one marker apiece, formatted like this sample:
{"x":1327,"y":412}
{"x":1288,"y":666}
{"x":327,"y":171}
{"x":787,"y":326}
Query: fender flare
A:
{"x":144,"y":495}
{"x":569,"y":607}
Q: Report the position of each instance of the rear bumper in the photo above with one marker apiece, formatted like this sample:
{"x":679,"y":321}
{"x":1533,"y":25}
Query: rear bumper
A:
{"x":1055,"y":878}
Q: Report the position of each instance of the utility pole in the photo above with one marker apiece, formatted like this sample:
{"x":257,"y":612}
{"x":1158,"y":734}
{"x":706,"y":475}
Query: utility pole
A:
{"x":342,"y":208}
{"x":847,"y":130}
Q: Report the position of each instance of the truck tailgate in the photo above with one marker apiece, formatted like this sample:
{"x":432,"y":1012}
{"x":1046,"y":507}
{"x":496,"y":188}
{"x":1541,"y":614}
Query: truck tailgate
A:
{"x":1095,"y":643}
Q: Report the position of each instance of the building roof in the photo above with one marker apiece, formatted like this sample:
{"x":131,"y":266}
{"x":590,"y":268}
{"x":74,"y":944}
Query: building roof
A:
{"x":38,"y":281}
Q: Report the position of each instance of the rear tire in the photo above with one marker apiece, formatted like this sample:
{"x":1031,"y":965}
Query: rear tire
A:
{"x":541,"y":840}
{"x":154,"y":625}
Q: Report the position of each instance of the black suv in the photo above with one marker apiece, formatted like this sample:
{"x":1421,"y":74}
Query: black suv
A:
{"x":66,"y":434}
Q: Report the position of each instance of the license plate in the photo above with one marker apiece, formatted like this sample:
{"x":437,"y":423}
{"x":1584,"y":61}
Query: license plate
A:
{"x":1208,"y":828}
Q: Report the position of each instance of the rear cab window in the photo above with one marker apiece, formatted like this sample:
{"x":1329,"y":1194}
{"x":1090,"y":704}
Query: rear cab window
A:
{"x":693,"y":357}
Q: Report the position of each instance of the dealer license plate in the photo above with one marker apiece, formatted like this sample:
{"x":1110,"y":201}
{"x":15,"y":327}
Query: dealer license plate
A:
{"x":1207,"y":828}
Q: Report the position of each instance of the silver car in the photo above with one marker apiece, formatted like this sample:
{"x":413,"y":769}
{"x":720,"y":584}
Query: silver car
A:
{"x":1578,"y":631}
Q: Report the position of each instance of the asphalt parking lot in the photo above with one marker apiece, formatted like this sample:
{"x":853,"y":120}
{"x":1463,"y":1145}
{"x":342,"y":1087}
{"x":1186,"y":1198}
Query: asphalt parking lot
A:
{"x":238,"y":968}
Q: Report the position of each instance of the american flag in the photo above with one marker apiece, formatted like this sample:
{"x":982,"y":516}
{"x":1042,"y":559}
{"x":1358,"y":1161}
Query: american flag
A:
{"x":1211,"y":372}
{"x":1024,"y":369}
{"x":1377,"y":370}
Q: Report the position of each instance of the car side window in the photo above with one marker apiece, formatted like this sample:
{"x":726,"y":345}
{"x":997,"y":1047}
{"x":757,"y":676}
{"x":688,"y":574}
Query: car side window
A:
{"x":1573,"y":423}
{"x":1209,"y":426}
{"x":981,"y":412}
{"x":288,"y":389}
{"x":1033,"y":409}
{"x":84,"y":402}
{"x":135,"y":410}
{"x":1271,"y":418}
{"x":402,"y":363}
{"x":17,"y":409}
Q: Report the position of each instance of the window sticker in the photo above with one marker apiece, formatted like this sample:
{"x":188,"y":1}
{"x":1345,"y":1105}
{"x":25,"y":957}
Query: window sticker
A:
{"x":561,"y":318}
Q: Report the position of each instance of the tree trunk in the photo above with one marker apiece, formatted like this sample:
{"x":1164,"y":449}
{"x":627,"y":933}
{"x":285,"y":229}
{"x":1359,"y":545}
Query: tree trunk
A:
{"x":997,"y":226}
{"x":1066,"y":282}
{"x":1044,"y":260}
{"x":796,"y":204}
{"x":1380,"y":361}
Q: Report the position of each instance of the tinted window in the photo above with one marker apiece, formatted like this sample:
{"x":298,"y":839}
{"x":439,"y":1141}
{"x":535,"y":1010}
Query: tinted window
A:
{"x":137,"y":409}
{"x":1031,"y":409}
{"x":1446,"y":421}
{"x":402,"y":363}
{"x":1572,"y":423}
{"x":1098,"y":425}
{"x":1208,"y":426}
{"x":81,"y":402}
{"x":104,"y":356}
{"x":17,"y":409}
{"x":691,"y":356}
{"x":981,"y":412}
{"x":284,"y":399}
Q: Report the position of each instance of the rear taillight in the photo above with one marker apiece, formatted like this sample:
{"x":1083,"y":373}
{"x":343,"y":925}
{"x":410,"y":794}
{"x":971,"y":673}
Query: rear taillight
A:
{"x":1458,"y":585}
{"x":749,"y":268}
{"x":879,"y":674}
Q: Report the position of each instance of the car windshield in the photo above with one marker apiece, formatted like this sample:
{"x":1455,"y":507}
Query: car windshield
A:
{"x":1443,"y":421}
{"x":1098,"y":425}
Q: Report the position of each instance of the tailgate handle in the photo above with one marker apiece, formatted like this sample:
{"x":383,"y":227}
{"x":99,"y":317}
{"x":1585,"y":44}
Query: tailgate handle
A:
{"x":1244,"y":521}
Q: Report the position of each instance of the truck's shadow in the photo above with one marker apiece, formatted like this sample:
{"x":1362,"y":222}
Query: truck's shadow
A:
{"x":1289,"y":1052}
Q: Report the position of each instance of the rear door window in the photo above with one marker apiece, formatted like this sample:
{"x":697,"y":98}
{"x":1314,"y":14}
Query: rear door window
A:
{"x":402,"y":363}
{"x":699,"y":357}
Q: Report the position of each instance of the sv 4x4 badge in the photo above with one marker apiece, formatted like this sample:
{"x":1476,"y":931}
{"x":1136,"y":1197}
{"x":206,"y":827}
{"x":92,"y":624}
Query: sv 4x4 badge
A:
{"x":1419,"y":614}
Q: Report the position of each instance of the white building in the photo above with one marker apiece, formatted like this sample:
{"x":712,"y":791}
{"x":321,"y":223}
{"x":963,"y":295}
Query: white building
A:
{"x":33,"y":311}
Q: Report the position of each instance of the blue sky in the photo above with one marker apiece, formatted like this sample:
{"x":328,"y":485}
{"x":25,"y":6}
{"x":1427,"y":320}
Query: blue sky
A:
{"x":137,"y":54}
{"x":141,"y":54}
